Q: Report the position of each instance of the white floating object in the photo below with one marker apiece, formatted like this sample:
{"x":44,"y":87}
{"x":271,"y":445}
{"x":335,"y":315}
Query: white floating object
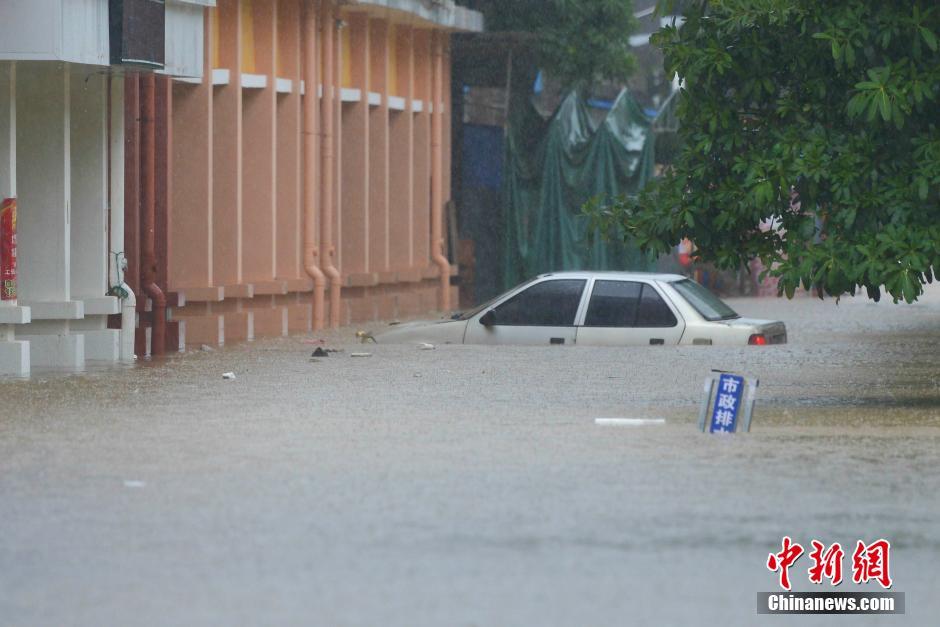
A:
{"x":133,"y":483}
{"x":629,"y":422}
{"x":426,"y":347}
{"x":360,"y":354}
{"x":228,"y":376}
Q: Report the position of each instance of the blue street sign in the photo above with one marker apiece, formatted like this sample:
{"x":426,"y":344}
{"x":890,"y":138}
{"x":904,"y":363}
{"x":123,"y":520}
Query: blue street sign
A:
{"x":727,"y":404}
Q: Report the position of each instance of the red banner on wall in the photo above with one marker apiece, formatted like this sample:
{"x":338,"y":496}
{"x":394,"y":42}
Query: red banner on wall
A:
{"x":8,"y":249}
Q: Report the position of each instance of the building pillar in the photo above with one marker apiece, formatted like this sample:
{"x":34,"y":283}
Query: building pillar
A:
{"x":227,"y":151}
{"x":354,"y":169}
{"x":378,"y":150}
{"x":401,"y":158}
{"x":43,"y":173}
{"x":88,"y":139}
{"x":259,"y":164}
{"x":422,"y":149}
{"x":289,"y":179}
{"x":14,"y":354}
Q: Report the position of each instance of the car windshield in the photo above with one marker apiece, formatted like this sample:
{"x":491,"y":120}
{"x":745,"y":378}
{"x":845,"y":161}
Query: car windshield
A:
{"x":710,"y":306}
{"x":466,"y":315}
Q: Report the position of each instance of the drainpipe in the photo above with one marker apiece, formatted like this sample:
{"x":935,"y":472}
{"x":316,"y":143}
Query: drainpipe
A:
{"x":311,"y":251}
{"x":148,"y":269}
{"x":437,"y":174}
{"x":327,"y":204}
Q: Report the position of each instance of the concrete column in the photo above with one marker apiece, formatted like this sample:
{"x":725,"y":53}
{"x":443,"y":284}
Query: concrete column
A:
{"x":378,"y":150}
{"x":339,"y":62}
{"x":89,"y":211}
{"x":354,"y":168}
{"x":259,"y":164}
{"x":289,"y":224}
{"x":401,"y":156}
{"x":44,"y":186}
{"x":191,"y":163}
{"x":421,"y":226}
{"x":227,"y":151}
{"x":14,"y":354}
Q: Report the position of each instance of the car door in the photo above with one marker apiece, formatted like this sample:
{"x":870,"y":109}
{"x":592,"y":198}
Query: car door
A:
{"x":629,"y":313}
{"x":544,"y":313}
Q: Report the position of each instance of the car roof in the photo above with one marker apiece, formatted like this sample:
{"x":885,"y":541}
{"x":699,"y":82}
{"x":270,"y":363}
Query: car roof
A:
{"x":623,"y":276}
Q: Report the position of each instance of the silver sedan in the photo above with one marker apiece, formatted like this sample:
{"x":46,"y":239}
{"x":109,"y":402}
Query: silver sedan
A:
{"x":597,"y":309}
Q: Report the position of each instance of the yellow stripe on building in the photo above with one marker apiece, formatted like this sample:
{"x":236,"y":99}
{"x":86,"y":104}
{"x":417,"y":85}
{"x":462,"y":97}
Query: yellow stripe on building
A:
{"x":346,"y":38}
{"x":392,"y":47}
{"x":248,"y":37}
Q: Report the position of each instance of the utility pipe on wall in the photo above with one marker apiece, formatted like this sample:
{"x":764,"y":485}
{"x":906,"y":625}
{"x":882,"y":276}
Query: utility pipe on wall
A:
{"x":148,"y":256}
{"x":311,"y":250}
{"x":437,"y":172}
{"x":327,"y":204}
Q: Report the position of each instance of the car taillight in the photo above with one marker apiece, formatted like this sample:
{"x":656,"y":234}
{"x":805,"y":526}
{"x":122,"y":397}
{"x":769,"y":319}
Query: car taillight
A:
{"x":758,"y":339}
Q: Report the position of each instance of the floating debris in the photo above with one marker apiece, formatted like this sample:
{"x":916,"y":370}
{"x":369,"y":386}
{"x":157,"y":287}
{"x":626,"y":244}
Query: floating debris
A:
{"x":364,"y":336}
{"x":629,"y":422}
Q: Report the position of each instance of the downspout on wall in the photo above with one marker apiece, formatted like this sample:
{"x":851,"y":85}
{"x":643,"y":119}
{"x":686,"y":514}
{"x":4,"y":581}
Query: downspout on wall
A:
{"x":437,"y":171}
{"x":311,"y":250}
{"x":148,"y":271}
{"x":327,"y":173}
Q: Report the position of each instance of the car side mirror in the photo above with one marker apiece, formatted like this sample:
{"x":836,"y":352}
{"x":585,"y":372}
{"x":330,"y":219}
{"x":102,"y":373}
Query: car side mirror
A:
{"x":488,"y":319}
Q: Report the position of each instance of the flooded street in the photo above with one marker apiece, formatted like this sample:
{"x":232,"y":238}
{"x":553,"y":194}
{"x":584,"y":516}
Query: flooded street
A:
{"x":469,"y":485}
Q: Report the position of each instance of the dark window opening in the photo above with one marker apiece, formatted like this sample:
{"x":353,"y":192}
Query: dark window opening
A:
{"x":546,"y":304}
{"x":627,"y":304}
{"x":613,"y":304}
{"x":653,"y":310}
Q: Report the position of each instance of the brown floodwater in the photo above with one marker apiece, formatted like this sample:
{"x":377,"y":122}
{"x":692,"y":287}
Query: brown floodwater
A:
{"x":469,"y":485}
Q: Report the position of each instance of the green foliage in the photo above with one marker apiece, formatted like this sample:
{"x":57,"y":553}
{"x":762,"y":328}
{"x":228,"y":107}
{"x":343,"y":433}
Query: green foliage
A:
{"x":822,"y":115}
{"x":577,"y":41}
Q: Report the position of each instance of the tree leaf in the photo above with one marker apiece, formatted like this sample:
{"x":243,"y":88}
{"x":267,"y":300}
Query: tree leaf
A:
{"x":929,"y":38}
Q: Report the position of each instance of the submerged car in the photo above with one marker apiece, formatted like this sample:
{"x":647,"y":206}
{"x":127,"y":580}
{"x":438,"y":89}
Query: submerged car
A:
{"x":597,"y":309}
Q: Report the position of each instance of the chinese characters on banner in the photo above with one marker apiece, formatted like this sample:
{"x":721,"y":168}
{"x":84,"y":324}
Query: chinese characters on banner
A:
{"x":8,"y":249}
{"x":727,"y":404}
{"x":869,"y":562}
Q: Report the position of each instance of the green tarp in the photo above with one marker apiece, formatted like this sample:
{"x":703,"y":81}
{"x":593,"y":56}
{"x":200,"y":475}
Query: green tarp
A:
{"x":552,"y":168}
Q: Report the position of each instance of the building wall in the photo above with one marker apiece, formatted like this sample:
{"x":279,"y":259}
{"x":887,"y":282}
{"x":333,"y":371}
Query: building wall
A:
{"x":54,"y":30}
{"x":233,"y":199}
{"x":236,"y":213}
{"x":61,"y":157}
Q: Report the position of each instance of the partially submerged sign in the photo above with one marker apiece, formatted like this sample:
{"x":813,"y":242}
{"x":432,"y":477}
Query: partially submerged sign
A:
{"x":729,"y":396}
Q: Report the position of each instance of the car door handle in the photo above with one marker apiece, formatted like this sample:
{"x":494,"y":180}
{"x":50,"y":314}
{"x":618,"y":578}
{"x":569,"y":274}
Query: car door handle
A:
{"x":658,"y":341}
{"x":556,"y":340}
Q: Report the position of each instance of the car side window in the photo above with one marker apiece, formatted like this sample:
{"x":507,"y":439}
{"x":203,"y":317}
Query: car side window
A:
{"x":653,"y":310}
{"x":547,"y":304}
{"x":613,"y":304}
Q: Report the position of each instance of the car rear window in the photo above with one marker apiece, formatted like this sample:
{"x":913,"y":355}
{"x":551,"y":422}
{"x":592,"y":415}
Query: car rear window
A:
{"x":707,"y":304}
{"x":627,"y":304}
{"x":613,"y":304}
{"x":653,"y":310}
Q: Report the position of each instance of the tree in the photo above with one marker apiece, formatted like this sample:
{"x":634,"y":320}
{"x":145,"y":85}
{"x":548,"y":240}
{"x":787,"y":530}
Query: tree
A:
{"x":578,"y":42}
{"x":821,"y":115}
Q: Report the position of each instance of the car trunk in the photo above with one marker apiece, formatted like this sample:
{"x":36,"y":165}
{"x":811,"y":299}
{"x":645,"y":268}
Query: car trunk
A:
{"x":774,"y":330}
